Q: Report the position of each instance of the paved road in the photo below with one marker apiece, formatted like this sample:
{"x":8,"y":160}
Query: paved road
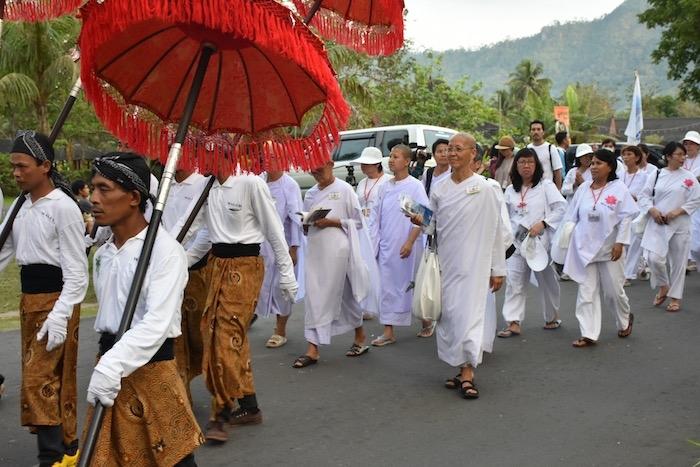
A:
{"x":630,"y":402}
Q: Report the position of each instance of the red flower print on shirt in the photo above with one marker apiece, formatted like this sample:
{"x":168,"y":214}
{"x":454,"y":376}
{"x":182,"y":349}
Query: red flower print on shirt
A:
{"x":611,"y":200}
{"x":688,"y":182}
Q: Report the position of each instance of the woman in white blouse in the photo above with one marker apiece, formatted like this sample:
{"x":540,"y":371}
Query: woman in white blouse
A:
{"x":669,"y":199}
{"x":601,"y":212}
{"x":579,"y":173}
{"x":535,"y":207}
{"x":635,"y":179}
{"x":370,"y":162}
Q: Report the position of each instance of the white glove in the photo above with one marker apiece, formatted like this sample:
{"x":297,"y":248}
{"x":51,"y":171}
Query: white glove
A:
{"x":289,"y":291}
{"x":56,"y":327}
{"x":102,"y":389}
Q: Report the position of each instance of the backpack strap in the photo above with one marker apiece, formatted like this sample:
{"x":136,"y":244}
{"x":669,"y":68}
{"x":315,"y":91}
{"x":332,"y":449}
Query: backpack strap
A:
{"x":428,"y":180}
{"x":653,"y":190}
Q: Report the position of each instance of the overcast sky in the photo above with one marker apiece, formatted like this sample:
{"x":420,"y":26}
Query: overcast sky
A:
{"x":451,"y":24}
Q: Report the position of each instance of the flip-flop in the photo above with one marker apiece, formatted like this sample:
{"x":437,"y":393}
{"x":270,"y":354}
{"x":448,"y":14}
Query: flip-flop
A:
{"x":382,"y":340}
{"x":673,"y":307}
{"x":659,"y":300}
{"x":583,"y":342}
{"x":356,"y":350}
{"x":626,"y":332}
{"x":303,"y":361}
{"x":508,"y":333}
{"x":552,"y":325}
{"x":427,"y":331}
{"x":275,"y":341}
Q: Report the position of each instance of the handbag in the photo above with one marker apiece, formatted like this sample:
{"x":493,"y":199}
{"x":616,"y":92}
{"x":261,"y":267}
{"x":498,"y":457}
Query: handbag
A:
{"x":427,"y":295}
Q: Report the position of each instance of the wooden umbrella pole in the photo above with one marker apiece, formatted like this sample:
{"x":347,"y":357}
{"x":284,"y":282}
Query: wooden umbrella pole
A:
{"x":195,"y":210}
{"x":142,"y":265}
{"x":312,"y":11}
{"x":52,"y":139}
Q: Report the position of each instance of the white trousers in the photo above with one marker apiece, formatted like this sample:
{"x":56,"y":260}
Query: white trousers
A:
{"x":669,"y":270}
{"x":633,"y":257}
{"x":516,"y":293}
{"x":695,"y":240}
{"x":605,"y":278}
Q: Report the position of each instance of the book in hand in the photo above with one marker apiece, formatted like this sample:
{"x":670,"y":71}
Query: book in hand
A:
{"x":308,"y":218}
{"x":411,"y":207}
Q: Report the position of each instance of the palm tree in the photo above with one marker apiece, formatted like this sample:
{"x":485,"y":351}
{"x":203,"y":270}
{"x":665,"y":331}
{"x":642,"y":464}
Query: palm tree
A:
{"x":526,"y":80}
{"x":36,"y":63}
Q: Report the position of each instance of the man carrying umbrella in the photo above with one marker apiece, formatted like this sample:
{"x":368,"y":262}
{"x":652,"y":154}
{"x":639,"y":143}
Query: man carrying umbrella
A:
{"x":47,"y":241}
{"x":149,"y":420}
{"x":240,"y":215}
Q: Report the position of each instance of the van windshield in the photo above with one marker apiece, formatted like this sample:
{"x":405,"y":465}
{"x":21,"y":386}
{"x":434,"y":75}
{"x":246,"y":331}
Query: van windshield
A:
{"x":350,"y":149}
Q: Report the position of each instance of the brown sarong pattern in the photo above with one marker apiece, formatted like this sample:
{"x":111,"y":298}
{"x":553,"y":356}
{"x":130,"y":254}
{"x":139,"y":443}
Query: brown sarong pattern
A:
{"x":188,"y":347}
{"x":48,"y":394}
{"x":233,"y":295}
{"x":151,"y":422}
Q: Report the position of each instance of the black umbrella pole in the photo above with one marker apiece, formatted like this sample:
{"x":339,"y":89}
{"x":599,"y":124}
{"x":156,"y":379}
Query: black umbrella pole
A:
{"x":195,"y":210}
{"x":312,"y":11}
{"x":142,"y":265}
{"x":65,"y":111}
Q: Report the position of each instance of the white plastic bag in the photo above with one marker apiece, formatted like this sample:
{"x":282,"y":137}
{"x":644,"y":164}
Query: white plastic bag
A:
{"x":427,"y":295}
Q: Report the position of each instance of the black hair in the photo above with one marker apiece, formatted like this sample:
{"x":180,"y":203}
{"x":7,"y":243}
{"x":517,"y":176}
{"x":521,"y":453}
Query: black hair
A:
{"x":537,"y":121}
{"x":609,"y":158}
{"x":606,"y":141}
{"x":577,"y":160}
{"x":76,"y":186}
{"x":634,"y":150}
{"x":671,"y":147}
{"x":560,"y":137}
{"x":438,"y":142}
{"x":515,"y":177}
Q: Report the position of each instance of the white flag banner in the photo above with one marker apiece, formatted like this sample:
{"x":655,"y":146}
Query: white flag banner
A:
{"x":636,"y":121}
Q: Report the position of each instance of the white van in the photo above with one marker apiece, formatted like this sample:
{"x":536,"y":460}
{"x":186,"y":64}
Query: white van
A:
{"x":352,"y":142}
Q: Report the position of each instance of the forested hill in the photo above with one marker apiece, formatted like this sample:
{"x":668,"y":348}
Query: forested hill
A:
{"x":606,"y":51}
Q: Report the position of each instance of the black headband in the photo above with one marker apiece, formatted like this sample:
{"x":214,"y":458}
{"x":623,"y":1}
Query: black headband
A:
{"x":127,"y":169}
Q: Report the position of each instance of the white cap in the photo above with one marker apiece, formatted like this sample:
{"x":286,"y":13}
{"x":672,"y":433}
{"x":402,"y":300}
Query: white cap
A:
{"x":693,"y":136}
{"x":583,"y":149}
{"x":370,"y":155}
{"x":535,"y":253}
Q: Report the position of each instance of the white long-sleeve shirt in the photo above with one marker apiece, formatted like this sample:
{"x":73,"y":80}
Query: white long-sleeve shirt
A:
{"x":241,"y":210}
{"x":567,"y":188}
{"x":50,"y":231}
{"x":157,"y":316}
{"x":181,"y":200}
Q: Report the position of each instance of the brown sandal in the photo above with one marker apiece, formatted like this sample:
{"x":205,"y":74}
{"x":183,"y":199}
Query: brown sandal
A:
{"x":626,"y":332}
{"x":583,"y":342}
{"x":659,"y":299}
{"x":673,"y":307}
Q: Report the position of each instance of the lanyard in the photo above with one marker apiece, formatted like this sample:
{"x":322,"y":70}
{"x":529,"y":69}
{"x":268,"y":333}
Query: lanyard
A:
{"x":631,"y":181}
{"x":523,"y":194}
{"x":691,"y":165}
{"x":367,"y":193}
{"x":596,"y":198}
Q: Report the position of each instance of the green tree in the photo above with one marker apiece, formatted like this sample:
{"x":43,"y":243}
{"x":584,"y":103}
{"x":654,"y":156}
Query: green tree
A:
{"x":680,"y":41}
{"x":527,"y":79}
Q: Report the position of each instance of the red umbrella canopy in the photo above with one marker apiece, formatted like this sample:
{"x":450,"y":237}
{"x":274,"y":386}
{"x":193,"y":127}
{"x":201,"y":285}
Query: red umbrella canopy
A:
{"x":371,"y":26}
{"x":268,"y":72}
{"x":36,"y":10}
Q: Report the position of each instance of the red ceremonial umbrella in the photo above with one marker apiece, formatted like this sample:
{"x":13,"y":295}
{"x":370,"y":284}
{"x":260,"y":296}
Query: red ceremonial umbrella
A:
{"x":244,"y":67}
{"x":268,"y":70}
{"x":371,"y":26}
{"x":36,"y":10}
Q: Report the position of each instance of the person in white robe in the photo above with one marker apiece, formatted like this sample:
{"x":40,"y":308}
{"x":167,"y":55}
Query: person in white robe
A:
{"x":669,"y":200}
{"x":691,"y":142}
{"x":466,"y":212}
{"x":336,"y":274}
{"x":535,"y":207}
{"x":602,"y":211}
{"x":579,"y":173}
{"x":396,"y":244}
{"x":287,"y":197}
{"x":634,"y":179}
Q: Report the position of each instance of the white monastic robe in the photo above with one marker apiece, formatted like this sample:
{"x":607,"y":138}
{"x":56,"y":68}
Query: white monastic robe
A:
{"x":332,"y":303}
{"x":674,"y":189}
{"x":542,"y":202}
{"x":467,"y":221}
{"x":287,"y":196}
{"x":693,"y":166}
{"x":567,"y":188}
{"x":635,"y":184}
{"x":393,"y":228}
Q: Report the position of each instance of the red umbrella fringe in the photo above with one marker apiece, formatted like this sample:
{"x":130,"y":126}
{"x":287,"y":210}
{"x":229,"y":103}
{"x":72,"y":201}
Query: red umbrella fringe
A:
{"x":374,"y":39}
{"x":39,"y":10}
{"x":264,"y":22}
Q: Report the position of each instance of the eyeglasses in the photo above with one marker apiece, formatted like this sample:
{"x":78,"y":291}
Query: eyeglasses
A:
{"x":455,"y":149}
{"x":526,"y":162}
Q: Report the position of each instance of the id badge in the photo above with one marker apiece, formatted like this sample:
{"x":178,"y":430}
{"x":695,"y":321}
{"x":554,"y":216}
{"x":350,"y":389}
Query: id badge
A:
{"x":365,"y":212}
{"x":593,"y":217}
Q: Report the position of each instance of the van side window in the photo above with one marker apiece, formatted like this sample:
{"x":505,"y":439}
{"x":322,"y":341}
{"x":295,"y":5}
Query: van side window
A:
{"x":350,"y":149}
{"x":432,"y":135}
{"x":391,"y":138}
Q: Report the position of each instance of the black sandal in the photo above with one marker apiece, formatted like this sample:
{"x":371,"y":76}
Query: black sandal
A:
{"x":470,"y":392}
{"x":453,"y":383}
{"x":304,"y":361}
{"x":356,"y":350}
{"x":626,"y":332}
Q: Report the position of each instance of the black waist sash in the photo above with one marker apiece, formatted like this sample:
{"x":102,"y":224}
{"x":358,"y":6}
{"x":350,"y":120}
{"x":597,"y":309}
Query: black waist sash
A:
{"x":41,"y":278}
{"x":235,"y":250}
{"x":165,"y":352}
